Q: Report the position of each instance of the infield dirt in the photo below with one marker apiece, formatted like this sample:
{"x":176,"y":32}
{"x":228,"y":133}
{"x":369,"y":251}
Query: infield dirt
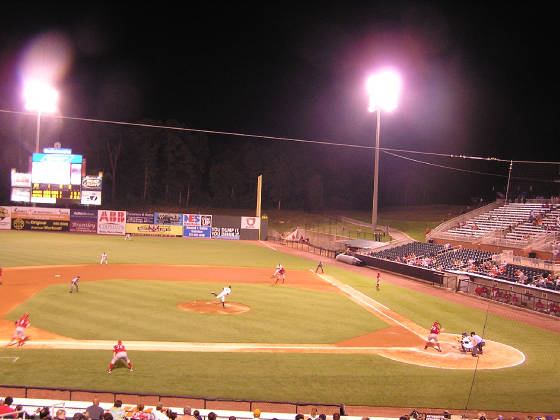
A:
{"x":403,"y":340}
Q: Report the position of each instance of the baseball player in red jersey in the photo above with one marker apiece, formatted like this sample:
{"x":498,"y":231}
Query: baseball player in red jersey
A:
{"x":119,"y":352}
{"x":279,"y":273}
{"x":19,"y":334}
{"x":433,"y":337}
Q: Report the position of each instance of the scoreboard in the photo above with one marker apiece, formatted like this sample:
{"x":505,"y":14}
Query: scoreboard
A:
{"x":57,"y":176}
{"x":51,"y":193}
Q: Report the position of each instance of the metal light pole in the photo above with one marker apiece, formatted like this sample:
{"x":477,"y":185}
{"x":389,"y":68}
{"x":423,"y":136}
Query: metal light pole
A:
{"x":376,"y":173}
{"x":384,"y":88}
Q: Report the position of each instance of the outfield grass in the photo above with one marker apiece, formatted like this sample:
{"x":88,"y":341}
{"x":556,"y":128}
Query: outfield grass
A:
{"x":351,"y":379}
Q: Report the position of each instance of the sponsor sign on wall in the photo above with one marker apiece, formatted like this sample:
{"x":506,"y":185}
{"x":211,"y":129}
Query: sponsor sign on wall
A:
{"x":39,"y":213}
{"x":150,"y":229}
{"x":35,"y":224}
{"x":5,"y":218}
{"x":92,"y":183}
{"x":168,"y":219}
{"x":250,"y":223}
{"x":139,"y":217}
{"x":197,"y":231}
{"x":20,"y":195}
{"x":21,"y":180}
{"x":83,"y":221}
{"x":197,"y":220}
{"x":225,"y":233}
{"x":91,"y":198}
{"x":111,"y":222}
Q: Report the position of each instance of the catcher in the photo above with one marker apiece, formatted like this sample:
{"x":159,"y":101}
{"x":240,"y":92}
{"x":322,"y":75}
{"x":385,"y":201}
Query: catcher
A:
{"x":465,"y":342}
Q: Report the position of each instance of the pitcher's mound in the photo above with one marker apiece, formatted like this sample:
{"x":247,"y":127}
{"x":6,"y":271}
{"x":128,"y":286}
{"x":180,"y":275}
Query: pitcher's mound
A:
{"x":213,"y":307}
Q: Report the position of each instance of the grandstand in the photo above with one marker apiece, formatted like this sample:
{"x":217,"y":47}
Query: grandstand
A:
{"x":527,"y":227}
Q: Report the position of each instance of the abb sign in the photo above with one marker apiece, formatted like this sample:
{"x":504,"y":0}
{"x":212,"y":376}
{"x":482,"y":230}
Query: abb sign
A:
{"x":111,"y":222}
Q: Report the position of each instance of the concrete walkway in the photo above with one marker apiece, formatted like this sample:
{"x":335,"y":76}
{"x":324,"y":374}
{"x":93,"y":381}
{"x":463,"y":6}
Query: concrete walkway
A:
{"x":397,"y":235}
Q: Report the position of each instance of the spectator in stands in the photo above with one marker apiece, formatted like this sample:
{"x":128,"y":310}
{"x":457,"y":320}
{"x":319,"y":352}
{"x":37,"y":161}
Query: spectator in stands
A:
{"x":107,"y":416}
{"x":211,"y":415}
{"x":196,"y":415}
{"x":20,"y":412}
{"x":60,"y":414}
{"x":256,"y":413}
{"x":186,"y":414}
{"x":117,"y":411}
{"x":313,"y":415}
{"x":94,"y":411}
{"x":159,"y":412}
{"x":6,"y":409}
{"x":299,"y":417}
{"x":44,"y":413}
{"x":336,"y":416}
{"x":139,"y":414}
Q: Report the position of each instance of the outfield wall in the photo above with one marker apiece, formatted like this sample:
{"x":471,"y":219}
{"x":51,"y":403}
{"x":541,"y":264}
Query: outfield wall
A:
{"x":120,"y":223}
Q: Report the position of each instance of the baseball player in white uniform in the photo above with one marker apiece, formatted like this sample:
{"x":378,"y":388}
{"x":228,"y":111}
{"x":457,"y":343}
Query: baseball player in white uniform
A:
{"x":222,"y":295}
{"x":466,"y":343}
{"x":103,"y":258}
{"x":74,"y":283}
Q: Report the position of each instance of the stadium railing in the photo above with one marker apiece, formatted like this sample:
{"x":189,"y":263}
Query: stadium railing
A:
{"x":69,"y":394}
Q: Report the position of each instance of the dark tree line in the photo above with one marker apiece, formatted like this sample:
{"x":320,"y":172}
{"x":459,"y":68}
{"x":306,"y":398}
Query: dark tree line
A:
{"x":145,"y":166}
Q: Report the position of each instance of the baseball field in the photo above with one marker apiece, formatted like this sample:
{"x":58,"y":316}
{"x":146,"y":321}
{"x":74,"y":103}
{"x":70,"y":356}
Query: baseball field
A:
{"x":330,"y":338}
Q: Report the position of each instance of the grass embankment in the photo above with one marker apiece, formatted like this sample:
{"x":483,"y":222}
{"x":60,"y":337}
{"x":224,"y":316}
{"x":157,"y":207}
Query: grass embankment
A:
{"x":351,"y":379}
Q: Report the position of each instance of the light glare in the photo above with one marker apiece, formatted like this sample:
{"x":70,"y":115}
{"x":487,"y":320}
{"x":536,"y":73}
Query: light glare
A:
{"x":40,"y":96}
{"x":384,"y":89}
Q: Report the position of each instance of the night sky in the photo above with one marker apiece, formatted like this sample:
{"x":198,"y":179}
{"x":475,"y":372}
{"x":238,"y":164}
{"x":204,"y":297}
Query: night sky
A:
{"x":478,"y":79}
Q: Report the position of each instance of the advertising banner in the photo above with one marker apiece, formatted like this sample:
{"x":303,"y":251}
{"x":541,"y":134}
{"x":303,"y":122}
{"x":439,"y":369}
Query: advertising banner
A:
{"x":250,"y":223}
{"x":197,"y":220}
{"x":83,"y":226}
{"x":87,"y":215}
{"x":168,"y":219}
{"x":20,"y":195}
{"x":91,"y":198}
{"x":21,"y":180}
{"x":111,"y":222}
{"x":197,"y":231}
{"x":5,"y":218}
{"x":83,"y":221}
{"x":225,"y":233}
{"x":139,"y":217}
{"x":92,"y":183}
{"x":39,"y":213}
{"x":146,"y":229}
{"x":34,"y":224}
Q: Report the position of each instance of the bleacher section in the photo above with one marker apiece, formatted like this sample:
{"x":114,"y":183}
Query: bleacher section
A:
{"x":513,"y":225}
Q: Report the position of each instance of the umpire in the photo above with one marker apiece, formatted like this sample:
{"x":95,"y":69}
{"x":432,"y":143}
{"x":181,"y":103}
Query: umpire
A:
{"x":478,"y":343}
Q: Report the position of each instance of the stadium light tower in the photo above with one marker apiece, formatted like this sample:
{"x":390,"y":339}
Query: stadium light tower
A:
{"x":41,"y":98}
{"x":384,"y":88}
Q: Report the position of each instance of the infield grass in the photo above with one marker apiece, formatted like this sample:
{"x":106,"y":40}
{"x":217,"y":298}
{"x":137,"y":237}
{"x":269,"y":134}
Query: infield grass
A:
{"x":351,"y":379}
{"x":147,"y":311}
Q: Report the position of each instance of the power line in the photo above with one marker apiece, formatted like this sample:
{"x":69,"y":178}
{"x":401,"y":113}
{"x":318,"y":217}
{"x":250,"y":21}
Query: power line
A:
{"x":277,"y":138}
